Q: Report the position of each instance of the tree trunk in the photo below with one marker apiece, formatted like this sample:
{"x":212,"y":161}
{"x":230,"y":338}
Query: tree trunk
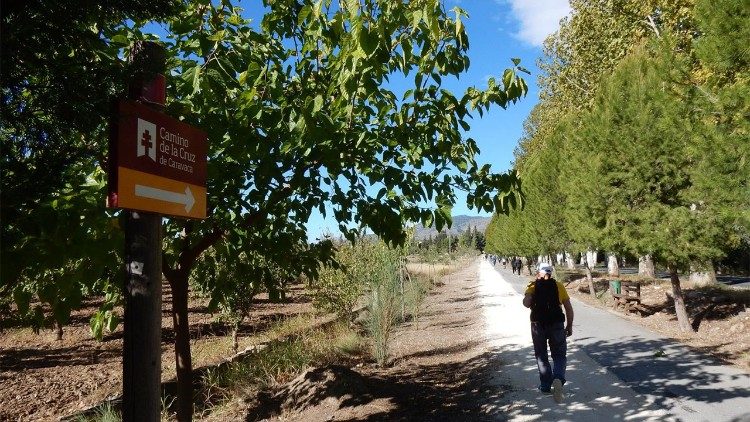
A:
{"x":583,"y":260}
{"x":679,"y":302}
{"x":235,"y":340}
{"x":646,"y":267}
{"x":613,"y":268}
{"x":589,"y":277}
{"x":591,"y":258}
{"x":706,"y":276}
{"x":590,"y":280}
{"x":183,"y":361}
{"x":570,"y":261}
{"x":59,"y":333}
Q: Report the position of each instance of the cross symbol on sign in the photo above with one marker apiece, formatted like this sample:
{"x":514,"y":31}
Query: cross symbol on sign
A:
{"x":146,"y":145}
{"x":146,"y":141}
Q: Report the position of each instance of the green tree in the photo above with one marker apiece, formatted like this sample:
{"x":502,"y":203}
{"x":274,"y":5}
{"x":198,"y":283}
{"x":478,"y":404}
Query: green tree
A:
{"x":479,"y":241}
{"x":299,"y":114}
{"x":231,"y":273}
{"x":59,"y":73}
{"x":644,"y":118}
{"x":721,"y":176}
{"x":597,"y":34}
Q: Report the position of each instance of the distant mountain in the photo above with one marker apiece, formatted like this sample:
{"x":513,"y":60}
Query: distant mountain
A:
{"x":461,"y":223}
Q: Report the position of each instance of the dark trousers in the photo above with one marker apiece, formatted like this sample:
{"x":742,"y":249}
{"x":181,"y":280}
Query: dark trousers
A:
{"x":554,"y":335}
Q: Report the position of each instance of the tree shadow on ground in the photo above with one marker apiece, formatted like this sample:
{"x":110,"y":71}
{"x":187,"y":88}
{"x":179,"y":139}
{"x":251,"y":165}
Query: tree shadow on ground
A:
{"x":702,"y":305}
{"x":675,"y":382}
{"x":90,"y":352}
{"x":440,"y":392}
{"x":669,"y":370}
{"x":20,"y":359}
{"x":442,"y":350}
{"x":475,"y":389}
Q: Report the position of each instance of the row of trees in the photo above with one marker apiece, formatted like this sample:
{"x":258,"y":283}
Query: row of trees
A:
{"x":466,"y":240}
{"x":299,"y":116}
{"x":640,"y":144}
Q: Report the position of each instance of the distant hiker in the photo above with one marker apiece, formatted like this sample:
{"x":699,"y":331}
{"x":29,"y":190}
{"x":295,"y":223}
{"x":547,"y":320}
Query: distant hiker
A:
{"x":544,"y":296}
{"x":505,"y":261}
{"x":516,"y":264}
{"x":493,"y":258}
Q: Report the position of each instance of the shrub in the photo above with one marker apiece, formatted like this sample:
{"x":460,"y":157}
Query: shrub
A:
{"x":339,"y":288}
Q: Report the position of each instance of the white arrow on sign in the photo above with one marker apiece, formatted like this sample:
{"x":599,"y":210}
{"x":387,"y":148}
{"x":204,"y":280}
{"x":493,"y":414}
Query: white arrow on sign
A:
{"x":186,"y":199}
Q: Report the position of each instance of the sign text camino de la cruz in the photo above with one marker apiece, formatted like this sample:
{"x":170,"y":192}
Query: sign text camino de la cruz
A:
{"x":157,"y":163}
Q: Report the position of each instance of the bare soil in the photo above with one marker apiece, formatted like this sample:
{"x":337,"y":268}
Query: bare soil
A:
{"x":42,"y":379}
{"x":720,"y":316}
{"x":440,"y":371}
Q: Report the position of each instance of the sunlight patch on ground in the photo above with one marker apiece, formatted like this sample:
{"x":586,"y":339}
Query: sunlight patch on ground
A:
{"x":591,"y":394}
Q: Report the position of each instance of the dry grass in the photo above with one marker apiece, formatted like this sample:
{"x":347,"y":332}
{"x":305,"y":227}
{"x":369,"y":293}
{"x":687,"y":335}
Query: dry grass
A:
{"x":281,"y":361}
{"x":436,"y":270}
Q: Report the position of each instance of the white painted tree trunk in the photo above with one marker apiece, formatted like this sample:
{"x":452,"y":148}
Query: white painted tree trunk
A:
{"x":591,"y":258}
{"x":613,"y":268}
{"x":570,"y":261}
{"x":646,"y":266}
{"x":559,"y":257}
{"x":703,"y":275}
{"x":583,"y":260}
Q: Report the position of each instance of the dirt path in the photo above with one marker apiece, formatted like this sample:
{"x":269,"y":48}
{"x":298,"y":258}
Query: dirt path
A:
{"x":442,"y":369}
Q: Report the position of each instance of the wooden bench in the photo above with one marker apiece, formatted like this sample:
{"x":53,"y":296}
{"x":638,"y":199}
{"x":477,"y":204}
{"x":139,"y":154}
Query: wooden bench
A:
{"x":629,"y":297}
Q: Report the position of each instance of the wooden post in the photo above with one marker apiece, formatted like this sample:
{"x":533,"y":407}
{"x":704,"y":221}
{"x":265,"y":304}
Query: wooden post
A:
{"x":141,"y":351}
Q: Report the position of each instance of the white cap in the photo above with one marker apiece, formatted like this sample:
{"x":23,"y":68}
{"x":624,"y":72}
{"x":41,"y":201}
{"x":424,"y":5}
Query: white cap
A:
{"x":545,"y":268}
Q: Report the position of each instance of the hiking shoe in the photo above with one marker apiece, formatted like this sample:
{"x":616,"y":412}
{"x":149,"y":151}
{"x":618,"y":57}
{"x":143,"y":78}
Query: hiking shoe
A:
{"x":557,"y":390}
{"x":544,"y":390}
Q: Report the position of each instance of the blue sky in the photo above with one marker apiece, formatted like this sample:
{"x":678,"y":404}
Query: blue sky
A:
{"x":498,"y":30}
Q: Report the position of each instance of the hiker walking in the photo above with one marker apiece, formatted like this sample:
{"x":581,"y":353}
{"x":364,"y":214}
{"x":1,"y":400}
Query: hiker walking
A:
{"x":544,"y":296}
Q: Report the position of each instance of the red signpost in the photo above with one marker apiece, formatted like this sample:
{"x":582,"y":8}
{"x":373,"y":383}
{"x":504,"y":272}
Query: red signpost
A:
{"x":159,"y":163}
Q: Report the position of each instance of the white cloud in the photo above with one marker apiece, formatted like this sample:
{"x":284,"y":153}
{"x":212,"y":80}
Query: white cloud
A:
{"x":537,"y":18}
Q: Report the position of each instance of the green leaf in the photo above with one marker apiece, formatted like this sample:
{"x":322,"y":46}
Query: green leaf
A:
{"x":416,"y":18}
{"x":96,"y":326}
{"x":508,"y":78}
{"x":112,"y":321}
{"x":193,"y":77}
{"x":317,"y":104}
{"x":120,"y":39}
{"x":368,"y":41}
{"x":22,"y":299}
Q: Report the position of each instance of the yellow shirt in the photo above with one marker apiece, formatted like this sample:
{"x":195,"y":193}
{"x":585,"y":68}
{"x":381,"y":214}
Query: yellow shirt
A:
{"x":562,"y":294}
